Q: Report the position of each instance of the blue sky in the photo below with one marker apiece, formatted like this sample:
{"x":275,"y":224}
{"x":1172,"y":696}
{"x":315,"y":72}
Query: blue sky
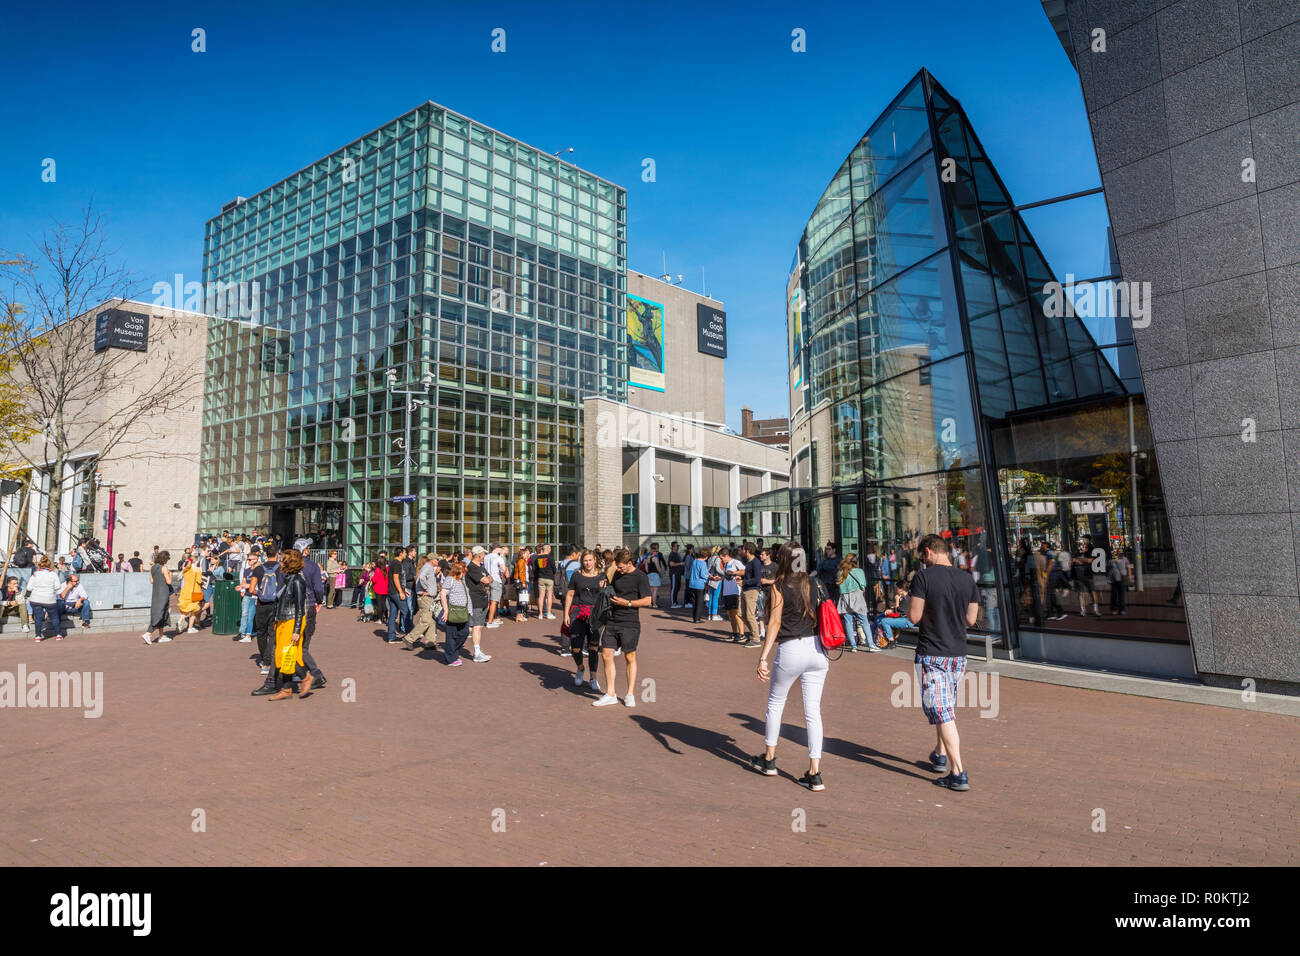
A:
{"x":745,"y":133}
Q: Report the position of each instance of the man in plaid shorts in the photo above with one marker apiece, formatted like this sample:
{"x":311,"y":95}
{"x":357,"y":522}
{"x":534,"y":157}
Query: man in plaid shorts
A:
{"x":944,"y":603}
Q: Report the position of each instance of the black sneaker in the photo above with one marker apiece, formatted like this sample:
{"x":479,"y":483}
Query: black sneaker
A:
{"x":263,"y":691}
{"x":763,"y":765}
{"x":318,"y":683}
{"x":954,"y":781}
{"x":813,"y":781}
{"x":938,"y":762}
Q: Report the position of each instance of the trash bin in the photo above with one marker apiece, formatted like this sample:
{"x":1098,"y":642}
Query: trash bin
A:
{"x":225,"y":608}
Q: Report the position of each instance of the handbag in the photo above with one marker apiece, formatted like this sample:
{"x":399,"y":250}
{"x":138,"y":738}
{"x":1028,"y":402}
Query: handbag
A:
{"x":341,"y":579}
{"x":830,"y":629}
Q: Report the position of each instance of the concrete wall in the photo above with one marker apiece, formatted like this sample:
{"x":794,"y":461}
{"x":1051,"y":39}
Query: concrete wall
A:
{"x":694,"y":382}
{"x":156,"y":458}
{"x":1187,"y":101}
{"x":684,"y":452}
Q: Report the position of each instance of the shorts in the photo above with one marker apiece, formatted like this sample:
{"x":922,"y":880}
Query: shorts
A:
{"x":654,"y":580}
{"x":1085,"y":582}
{"x":546,"y":584}
{"x":939,"y":678}
{"x":582,"y":635}
{"x":495,"y":593}
{"x":730,"y":602}
{"x":621,"y":636}
{"x":477,"y":617}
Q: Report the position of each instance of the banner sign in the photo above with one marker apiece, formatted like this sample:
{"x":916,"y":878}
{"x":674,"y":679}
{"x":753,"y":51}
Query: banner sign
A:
{"x":645,"y":343}
{"x":116,"y":329}
{"x":712,"y":330}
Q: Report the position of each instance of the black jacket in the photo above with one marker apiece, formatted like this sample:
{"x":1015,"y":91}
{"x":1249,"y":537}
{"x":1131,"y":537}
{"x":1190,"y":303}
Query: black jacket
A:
{"x":292,"y":602}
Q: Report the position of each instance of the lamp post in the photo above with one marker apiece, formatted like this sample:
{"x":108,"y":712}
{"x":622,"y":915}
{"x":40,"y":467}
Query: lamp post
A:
{"x":405,"y":443}
{"x":112,"y":487}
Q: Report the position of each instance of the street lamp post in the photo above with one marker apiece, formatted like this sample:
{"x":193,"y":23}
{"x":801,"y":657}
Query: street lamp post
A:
{"x":112,"y":487}
{"x":411,"y":405}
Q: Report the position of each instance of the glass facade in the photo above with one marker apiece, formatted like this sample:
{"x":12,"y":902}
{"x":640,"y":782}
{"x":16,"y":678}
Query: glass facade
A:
{"x":433,"y":255}
{"x":938,"y":387}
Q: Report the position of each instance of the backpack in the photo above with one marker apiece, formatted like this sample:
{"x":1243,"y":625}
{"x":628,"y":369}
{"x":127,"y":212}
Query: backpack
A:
{"x":77,"y":563}
{"x":23,"y":557}
{"x":270,"y":587}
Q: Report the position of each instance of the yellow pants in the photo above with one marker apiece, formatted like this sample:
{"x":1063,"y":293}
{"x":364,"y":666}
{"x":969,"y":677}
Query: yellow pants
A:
{"x":290,"y":663}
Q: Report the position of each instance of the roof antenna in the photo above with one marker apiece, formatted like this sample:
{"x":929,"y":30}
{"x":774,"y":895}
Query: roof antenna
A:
{"x":665,"y":276}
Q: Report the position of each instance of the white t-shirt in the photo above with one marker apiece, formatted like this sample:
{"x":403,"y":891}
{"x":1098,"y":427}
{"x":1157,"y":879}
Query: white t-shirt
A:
{"x":495,"y":565}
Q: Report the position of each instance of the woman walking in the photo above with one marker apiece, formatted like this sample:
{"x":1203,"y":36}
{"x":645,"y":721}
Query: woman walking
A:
{"x":715,"y":582}
{"x":190,"y":601}
{"x":160,"y":576}
{"x":456,"y":608}
{"x":733,"y":570}
{"x":426,"y":592}
{"x":578,"y":602}
{"x":792,"y":627}
{"x":852,"y":603}
{"x":290,"y":620}
{"x":43,"y":595}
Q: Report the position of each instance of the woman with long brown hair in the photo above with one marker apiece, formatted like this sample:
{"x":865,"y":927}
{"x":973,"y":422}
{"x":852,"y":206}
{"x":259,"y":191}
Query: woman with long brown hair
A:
{"x":456,"y":609}
{"x":792,"y":627}
{"x":290,"y":621}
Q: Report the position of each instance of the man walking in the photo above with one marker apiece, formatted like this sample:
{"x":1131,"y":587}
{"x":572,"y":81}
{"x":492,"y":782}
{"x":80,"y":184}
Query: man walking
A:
{"x":479,"y":585}
{"x":623,"y":632}
{"x":944,"y":602}
{"x":265,"y":580}
{"x":311,"y":573}
{"x":751,"y":589}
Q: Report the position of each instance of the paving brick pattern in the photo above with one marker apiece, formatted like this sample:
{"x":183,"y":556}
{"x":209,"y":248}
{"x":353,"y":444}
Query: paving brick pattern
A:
{"x":413,"y":771}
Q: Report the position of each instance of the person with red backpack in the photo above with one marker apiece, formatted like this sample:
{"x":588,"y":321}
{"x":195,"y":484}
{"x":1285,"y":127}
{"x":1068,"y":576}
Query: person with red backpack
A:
{"x":792,"y":626}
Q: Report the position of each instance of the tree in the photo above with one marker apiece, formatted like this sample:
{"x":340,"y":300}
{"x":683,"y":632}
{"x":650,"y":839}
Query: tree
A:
{"x":73,"y":404}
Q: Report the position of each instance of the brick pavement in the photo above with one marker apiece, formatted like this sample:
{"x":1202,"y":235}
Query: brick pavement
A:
{"x":413,"y":770}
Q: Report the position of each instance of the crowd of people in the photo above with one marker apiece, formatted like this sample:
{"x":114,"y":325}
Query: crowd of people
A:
{"x":772,"y":598}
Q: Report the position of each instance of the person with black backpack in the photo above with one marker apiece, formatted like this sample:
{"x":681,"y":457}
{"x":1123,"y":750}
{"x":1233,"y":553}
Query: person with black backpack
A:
{"x":24,"y":562}
{"x":265,"y":579}
{"x":579,"y":602}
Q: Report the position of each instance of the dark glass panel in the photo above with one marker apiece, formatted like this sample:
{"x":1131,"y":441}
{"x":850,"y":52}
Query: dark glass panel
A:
{"x":897,"y":138}
{"x":913,"y":315}
{"x":919,"y":421}
{"x":900,"y":225}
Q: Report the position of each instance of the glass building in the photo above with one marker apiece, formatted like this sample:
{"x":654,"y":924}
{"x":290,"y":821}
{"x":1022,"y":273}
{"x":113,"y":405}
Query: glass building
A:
{"x":939,"y":385}
{"x":433,"y":256}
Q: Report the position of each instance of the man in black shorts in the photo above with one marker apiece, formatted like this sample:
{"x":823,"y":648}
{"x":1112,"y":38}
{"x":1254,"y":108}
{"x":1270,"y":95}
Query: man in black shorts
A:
{"x":631,"y":591}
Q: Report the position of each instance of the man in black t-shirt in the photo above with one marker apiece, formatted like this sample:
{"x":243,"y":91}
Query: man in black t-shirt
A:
{"x":631,"y":592}
{"x":944,"y":603}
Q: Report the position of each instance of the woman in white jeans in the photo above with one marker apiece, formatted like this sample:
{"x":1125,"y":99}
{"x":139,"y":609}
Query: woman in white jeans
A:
{"x":792,"y":627}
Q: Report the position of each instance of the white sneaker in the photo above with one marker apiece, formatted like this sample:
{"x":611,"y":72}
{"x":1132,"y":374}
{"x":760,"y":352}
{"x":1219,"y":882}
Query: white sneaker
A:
{"x":493,"y":624}
{"x":577,"y":679}
{"x":164,"y":639}
{"x":26,"y":628}
{"x":193,"y":630}
{"x":146,"y":638}
{"x":481,"y":658}
{"x":245,"y":640}
{"x":593,"y":685}
{"x":550,"y":617}
{"x":618,"y":651}
{"x":630,"y":700}
{"x":605,"y":701}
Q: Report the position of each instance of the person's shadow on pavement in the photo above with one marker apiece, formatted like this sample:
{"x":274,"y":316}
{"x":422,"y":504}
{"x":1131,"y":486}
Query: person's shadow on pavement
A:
{"x":845,"y":749}
{"x":710,"y":741}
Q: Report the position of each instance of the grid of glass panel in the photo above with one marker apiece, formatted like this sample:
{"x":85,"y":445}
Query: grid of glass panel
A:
{"x":917,"y":273}
{"x":456,"y":256}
